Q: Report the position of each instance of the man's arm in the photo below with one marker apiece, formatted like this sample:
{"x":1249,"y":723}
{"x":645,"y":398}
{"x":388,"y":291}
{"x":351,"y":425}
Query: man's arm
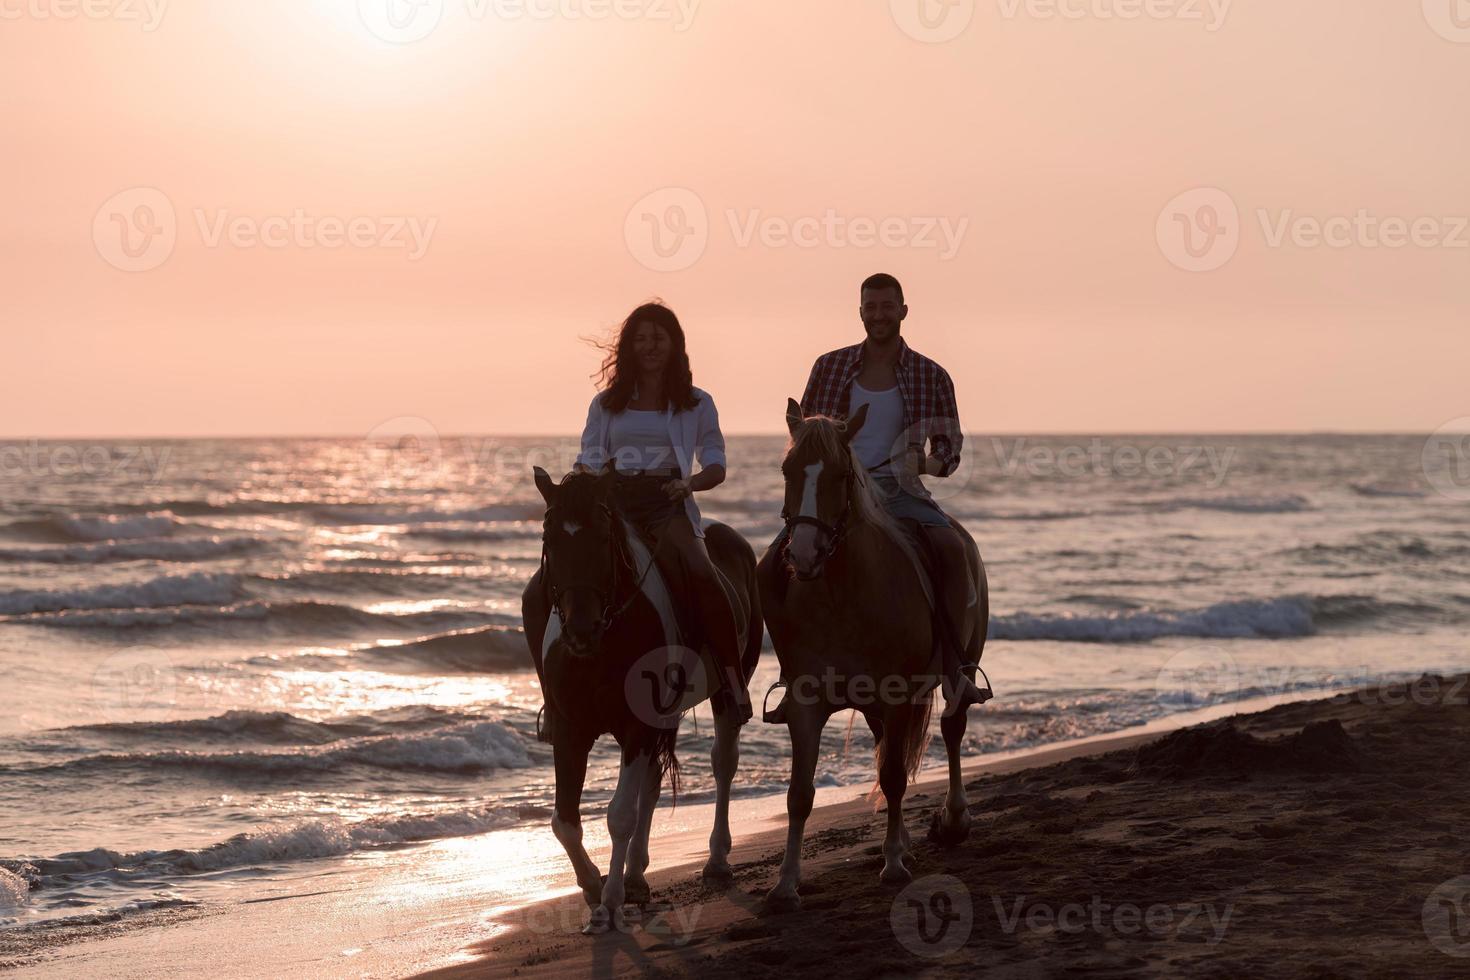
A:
{"x":945,"y":438}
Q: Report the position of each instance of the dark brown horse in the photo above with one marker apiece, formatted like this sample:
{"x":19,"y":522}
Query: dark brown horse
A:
{"x":603,"y":628}
{"x":858,"y":633}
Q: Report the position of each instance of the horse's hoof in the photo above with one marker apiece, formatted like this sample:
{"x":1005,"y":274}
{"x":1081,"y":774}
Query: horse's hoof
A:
{"x":783,"y":899}
{"x":949,"y":834}
{"x":717,"y":873}
{"x":895,"y":874}
{"x":636,"y":891}
{"x":600,"y":922}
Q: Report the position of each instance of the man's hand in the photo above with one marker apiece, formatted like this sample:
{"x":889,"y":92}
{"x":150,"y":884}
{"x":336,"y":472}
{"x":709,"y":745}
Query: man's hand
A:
{"x":678,"y":489}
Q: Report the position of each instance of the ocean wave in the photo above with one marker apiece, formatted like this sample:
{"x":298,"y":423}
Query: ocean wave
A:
{"x":277,"y":727}
{"x":61,"y":529}
{"x":469,"y":747}
{"x":1386,"y":490}
{"x":492,"y":648}
{"x":1285,"y":617}
{"x":297,"y":841}
{"x":375,"y":515}
{"x":171,"y":550}
{"x":13,"y":890}
{"x":297,"y":618}
{"x":1245,"y":618}
{"x":1285,"y":504}
{"x":196,"y":588}
{"x":493,"y":533}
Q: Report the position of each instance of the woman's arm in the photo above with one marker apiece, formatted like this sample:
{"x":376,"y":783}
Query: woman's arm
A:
{"x":709,"y":449}
{"x":593,"y":455}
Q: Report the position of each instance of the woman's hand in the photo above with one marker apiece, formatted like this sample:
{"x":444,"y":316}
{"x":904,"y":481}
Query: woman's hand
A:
{"x":678,"y":489}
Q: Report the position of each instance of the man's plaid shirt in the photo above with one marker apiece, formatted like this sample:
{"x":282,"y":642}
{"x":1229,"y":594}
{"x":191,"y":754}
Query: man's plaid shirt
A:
{"x":930,"y":416}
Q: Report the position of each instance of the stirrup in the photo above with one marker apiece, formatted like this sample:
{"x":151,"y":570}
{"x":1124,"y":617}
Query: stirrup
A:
{"x":543,"y":732}
{"x":985,"y":693}
{"x":776,"y":715}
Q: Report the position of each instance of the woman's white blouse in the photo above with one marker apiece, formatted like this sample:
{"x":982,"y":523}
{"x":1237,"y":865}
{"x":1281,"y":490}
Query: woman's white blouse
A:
{"x":694,"y":434}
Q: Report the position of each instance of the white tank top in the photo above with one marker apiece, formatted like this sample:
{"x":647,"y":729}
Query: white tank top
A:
{"x":641,"y":441}
{"x":877,"y":443}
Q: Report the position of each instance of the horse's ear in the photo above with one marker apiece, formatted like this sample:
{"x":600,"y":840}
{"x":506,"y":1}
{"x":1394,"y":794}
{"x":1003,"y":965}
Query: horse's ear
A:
{"x":855,"y":424}
{"x":545,"y":484}
{"x":793,"y":415}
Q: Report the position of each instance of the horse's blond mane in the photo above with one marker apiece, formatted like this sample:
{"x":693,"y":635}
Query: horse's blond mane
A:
{"x":827,"y":436}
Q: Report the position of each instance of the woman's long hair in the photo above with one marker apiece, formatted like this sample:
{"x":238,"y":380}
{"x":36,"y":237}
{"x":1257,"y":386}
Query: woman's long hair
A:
{"x":619,"y":372}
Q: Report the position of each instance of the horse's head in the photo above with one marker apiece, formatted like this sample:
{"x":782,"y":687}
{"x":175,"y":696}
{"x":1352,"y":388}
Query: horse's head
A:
{"x":582,"y":555}
{"x":821,"y":484}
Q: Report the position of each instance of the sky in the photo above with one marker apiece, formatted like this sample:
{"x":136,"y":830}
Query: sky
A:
{"x":295,"y":217}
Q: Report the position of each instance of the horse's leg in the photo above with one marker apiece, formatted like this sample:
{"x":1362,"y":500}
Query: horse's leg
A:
{"x":951,"y":823}
{"x":622,"y":822}
{"x":724,"y":759}
{"x":566,"y":823}
{"x":636,"y":886}
{"x":893,"y":777}
{"x":875,"y":725}
{"x":805,"y":723}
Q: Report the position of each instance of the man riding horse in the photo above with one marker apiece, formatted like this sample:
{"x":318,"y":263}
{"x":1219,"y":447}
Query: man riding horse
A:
{"x":910,"y":404}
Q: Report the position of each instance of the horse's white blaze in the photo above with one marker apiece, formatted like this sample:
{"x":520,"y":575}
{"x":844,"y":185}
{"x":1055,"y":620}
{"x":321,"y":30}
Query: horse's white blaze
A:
{"x":803,"y":544}
{"x":809,"y":489}
{"x":553,"y":633}
{"x":571,"y":527}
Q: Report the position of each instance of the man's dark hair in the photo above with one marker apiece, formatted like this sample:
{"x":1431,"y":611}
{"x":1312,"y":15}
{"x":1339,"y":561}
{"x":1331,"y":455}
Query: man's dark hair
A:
{"x":883,"y":281}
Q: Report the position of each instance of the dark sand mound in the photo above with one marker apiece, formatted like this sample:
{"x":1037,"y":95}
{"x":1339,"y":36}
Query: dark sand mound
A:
{"x":1223,"y":748}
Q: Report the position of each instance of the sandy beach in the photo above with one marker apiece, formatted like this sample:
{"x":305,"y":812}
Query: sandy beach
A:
{"x":1314,"y":838}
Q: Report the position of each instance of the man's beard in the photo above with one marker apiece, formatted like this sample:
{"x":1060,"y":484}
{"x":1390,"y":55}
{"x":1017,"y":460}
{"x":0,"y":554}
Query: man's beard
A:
{"x":881,"y":329}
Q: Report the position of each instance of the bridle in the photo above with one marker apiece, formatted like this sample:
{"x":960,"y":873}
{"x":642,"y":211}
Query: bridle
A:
{"x":622,"y":559}
{"x":834,"y":532}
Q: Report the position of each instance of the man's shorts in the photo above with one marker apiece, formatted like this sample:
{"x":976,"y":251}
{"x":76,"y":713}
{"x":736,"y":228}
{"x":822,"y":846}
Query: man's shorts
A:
{"x":904,"y":504}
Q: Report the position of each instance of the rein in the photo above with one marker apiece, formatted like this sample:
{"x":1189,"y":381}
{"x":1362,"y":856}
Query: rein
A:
{"x":621,"y":557}
{"x":834,"y":532}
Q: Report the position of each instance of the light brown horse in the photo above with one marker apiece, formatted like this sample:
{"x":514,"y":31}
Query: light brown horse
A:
{"x":858,"y":632}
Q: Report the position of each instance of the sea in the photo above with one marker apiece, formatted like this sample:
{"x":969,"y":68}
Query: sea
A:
{"x":230,"y":666}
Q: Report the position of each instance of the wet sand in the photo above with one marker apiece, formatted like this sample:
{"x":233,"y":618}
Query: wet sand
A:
{"x":1314,"y":838}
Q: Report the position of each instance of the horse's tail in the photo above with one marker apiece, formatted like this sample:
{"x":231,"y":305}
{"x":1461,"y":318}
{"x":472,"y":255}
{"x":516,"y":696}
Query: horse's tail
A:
{"x":667,"y":760}
{"x":915,"y":742}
